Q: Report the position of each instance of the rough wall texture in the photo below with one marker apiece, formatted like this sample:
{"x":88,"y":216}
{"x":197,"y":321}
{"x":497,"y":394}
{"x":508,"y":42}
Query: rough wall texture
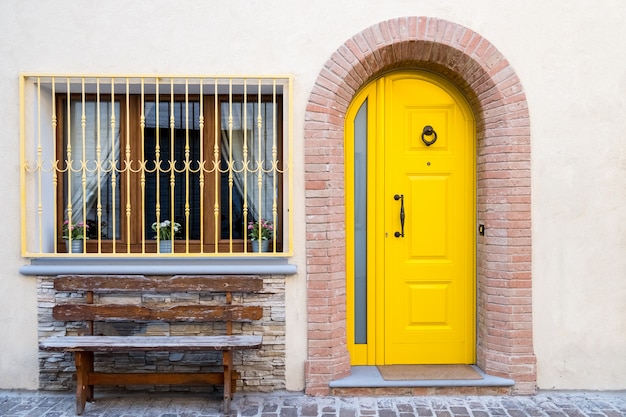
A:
{"x":480,"y":71}
{"x":261,"y":370}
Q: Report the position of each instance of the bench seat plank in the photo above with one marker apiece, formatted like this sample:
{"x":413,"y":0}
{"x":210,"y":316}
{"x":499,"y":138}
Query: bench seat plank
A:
{"x":160,"y":378}
{"x":149,"y":343}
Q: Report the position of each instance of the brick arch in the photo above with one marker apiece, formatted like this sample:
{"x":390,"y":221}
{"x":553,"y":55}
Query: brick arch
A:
{"x":480,"y":71}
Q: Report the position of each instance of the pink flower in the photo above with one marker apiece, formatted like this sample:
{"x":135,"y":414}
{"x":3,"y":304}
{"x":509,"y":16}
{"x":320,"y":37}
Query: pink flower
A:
{"x":260,"y":230}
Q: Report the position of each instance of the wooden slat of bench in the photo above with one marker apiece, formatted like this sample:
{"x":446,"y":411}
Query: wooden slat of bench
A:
{"x":149,"y":343}
{"x":163,"y":378}
{"x":185,"y":313}
{"x":158,"y":284}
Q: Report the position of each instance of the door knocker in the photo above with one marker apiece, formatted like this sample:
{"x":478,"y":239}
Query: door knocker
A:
{"x":428,"y":131}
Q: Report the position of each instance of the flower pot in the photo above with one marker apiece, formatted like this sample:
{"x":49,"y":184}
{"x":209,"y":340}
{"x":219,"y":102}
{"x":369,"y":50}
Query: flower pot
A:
{"x":264,"y":246}
{"x":166,"y":246}
{"x":74,"y":246}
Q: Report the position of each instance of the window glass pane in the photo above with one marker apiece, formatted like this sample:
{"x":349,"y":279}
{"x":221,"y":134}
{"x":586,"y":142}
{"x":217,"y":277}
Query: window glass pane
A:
{"x":176,"y":185}
{"x":93,"y":154}
{"x":249,"y":184}
{"x":360,"y":225}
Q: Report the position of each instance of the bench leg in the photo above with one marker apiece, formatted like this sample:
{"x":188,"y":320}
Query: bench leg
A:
{"x":89,"y":358}
{"x":227,"y":360}
{"x":84,"y":392}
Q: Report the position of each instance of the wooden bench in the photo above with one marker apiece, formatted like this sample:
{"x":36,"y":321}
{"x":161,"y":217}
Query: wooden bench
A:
{"x":88,"y":311}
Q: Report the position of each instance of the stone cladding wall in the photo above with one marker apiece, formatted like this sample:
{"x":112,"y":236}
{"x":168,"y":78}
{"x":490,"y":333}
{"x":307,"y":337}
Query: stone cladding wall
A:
{"x":262,"y":370}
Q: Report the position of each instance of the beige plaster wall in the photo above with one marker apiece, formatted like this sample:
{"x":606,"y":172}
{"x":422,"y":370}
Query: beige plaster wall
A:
{"x":569,"y":55}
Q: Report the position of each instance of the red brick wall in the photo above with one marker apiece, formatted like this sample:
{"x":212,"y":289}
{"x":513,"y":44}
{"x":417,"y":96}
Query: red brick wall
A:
{"x":481,"y":72}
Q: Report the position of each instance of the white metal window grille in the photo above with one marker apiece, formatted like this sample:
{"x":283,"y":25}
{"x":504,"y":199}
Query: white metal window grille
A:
{"x":138,"y":166}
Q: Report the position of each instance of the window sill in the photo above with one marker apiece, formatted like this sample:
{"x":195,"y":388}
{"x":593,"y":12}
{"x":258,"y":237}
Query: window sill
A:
{"x":159,"y":266}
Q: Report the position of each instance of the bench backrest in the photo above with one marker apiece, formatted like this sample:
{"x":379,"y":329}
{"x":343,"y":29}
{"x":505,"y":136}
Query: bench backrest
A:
{"x":158,"y":284}
{"x":116,"y":284}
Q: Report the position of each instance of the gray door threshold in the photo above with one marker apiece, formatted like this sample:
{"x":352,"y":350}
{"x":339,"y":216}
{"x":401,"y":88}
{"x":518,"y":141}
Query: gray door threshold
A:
{"x":370,"y":377}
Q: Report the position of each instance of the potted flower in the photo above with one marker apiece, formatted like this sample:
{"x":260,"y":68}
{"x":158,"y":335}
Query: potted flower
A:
{"x":165,"y":232}
{"x":260,"y":231}
{"x":75,"y":234}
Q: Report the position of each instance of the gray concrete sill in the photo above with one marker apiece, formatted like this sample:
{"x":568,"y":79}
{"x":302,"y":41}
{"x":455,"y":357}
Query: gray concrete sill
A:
{"x":369,"y":377}
{"x":159,"y":266}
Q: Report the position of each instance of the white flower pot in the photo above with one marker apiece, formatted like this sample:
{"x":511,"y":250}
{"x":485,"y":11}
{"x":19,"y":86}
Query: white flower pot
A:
{"x":74,"y":246}
{"x":166,"y":246}
{"x":264,"y":247}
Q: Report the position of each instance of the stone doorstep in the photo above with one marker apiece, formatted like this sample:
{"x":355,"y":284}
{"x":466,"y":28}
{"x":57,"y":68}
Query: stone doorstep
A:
{"x":370,"y":377}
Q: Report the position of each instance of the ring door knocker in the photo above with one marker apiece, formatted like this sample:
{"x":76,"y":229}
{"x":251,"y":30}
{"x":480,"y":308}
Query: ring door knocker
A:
{"x":401,"y":198}
{"x":429,"y":131}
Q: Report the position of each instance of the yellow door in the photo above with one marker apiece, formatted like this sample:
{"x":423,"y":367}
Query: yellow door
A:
{"x":420,"y":250}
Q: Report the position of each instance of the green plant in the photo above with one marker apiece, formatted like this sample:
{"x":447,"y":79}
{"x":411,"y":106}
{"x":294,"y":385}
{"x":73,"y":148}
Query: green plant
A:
{"x":260,"y":230}
{"x":75,"y":231}
{"x":165,"y":228}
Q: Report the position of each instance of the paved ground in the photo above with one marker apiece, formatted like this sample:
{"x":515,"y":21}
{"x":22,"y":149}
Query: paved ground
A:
{"x":545,"y":404}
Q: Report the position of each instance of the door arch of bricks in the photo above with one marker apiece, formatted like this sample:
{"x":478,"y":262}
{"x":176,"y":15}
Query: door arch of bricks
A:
{"x":504,"y":278}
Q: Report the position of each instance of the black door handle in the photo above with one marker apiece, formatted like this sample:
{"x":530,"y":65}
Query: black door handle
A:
{"x":401,"y":198}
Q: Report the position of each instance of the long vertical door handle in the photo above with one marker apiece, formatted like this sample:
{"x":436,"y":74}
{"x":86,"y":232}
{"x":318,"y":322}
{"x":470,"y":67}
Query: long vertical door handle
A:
{"x":401,"y":198}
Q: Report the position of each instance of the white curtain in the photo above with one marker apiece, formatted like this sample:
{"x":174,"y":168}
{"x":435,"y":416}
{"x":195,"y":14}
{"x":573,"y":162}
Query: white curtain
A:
{"x":109,"y":138}
{"x":260,"y":196}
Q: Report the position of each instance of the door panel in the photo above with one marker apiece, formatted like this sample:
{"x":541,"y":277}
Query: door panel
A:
{"x":429,"y":236}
